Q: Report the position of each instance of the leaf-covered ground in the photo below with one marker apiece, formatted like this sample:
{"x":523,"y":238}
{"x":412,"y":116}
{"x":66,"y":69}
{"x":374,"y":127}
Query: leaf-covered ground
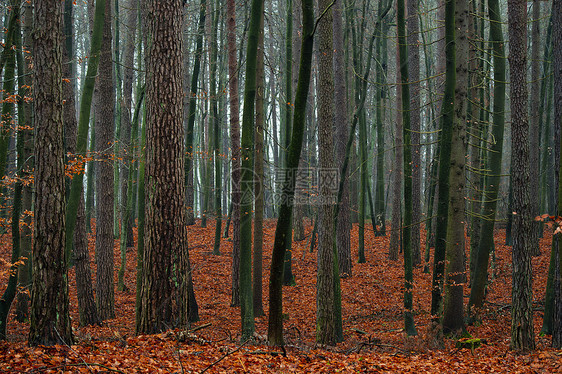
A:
{"x":372,"y":320}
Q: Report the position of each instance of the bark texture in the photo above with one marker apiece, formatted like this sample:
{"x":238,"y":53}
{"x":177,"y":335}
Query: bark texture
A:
{"x":522,"y":334}
{"x":166,"y":283}
{"x":105,"y":124}
{"x":50,"y":320}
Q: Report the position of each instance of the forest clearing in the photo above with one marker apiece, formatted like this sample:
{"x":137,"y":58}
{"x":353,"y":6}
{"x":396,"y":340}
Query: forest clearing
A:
{"x":374,"y":340}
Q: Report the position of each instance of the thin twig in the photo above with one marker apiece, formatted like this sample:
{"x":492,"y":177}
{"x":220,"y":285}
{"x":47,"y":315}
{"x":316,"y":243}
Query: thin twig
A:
{"x":322,"y":16}
{"x":225,"y":356}
{"x":201,"y":327}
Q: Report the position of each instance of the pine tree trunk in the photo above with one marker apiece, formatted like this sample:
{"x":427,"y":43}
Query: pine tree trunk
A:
{"x":522,"y":334}
{"x":167,"y":286}
{"x":50,"y":320}
{"x":105,"y":126}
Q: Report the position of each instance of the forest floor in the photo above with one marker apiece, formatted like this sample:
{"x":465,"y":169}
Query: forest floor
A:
{"x":372,"y":300}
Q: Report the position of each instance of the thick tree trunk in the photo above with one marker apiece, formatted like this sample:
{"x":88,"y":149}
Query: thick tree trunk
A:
{"x":50,"y":320}
{"x":522,"y":334}
{"x":455,"y":276}
{"x":326,"y":319}
{"x":166,"y":283}
{"x":341,"y":132}
{"x":104,"y":176}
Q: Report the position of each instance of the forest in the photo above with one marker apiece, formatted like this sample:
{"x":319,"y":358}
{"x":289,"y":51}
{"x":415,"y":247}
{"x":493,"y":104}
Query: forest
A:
{"x":284,"y":186}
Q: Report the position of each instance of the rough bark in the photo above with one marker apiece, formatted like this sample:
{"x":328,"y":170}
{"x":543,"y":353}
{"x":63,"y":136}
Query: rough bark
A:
{"x":166,"y":282}
{"x":522,"y":334}
{"x":105,"y":125}
{"x":50,"y":320}
{"x":326,"y":332}
{"x":341,"y":129}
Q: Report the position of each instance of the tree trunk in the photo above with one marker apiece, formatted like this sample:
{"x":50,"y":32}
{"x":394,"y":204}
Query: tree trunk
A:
{"x":165,"y":302}
{"x":341,"y":130}
{"x":283,"y":228}
{"x":259,"y":178}
{"x":104,"y":176}
{"x":235,"y":146}
{"x":326,"y":319}
{"x":407,"y":228}
{"x":88,"y":314}
{"x":534,"y":149}
{"x":50,"y":320}
{"x":215,"y":121}
{"x":522,"y":334}
{"x":190,"y":151}
{"x":414,"y":83}
{"x":24,"y":81}
{"x":557,"y":67}
{"x":494,"y":160}
{"x":288,"y":278}
{"x":247,"y":150}
{"x":396,"y":225}
{"x":455,"y":276}
{"x":8,"y":113}
{"x":447,"y":120}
